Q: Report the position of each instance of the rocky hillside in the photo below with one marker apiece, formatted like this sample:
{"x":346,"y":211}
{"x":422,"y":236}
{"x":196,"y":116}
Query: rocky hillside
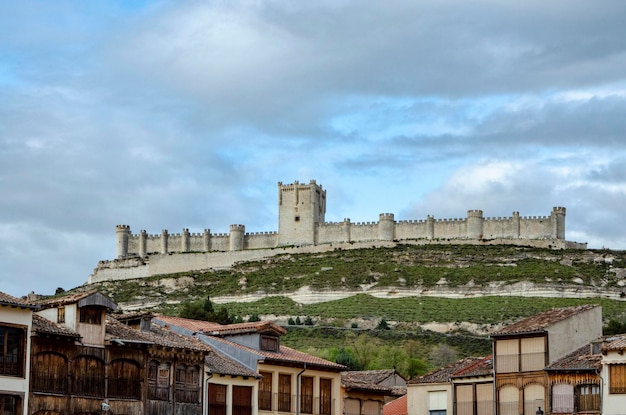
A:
{"x":298,"y":284}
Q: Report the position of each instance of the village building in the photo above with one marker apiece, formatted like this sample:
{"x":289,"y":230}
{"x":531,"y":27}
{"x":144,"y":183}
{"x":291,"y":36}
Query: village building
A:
{"x":524,"y":349}
{"x":87,"y":362}
{"x":365,"y":392}
{"x":15,"y":330}
{"x":544,"y":364}
{"x":574,"y":381}
{"x":613,"y":374}
{"x":290,"y":381}
{"x":463,"y":387}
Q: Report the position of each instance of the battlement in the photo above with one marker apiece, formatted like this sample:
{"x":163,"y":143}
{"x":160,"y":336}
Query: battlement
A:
{"x":302,"y":207}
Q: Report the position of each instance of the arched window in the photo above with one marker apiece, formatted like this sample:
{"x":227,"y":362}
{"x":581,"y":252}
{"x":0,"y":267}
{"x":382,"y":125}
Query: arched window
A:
{"x":534,"y":397}
{"x":88,"y":375}
{"x":159,"y":380}
{"x":508,"y":400}
{"x":49,"y":373}
{"x":124,"y":379}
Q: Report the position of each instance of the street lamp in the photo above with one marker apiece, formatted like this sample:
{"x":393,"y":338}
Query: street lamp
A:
{"x":539,"y":411}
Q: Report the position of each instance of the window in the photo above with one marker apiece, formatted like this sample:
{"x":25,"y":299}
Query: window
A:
{"x":12,"y":340}
{"x":269,"y":343}
{"x":617,"y":379}
{"x":159,"y":381}
{"x":217,"y":399}
{"x":325,"y":396}
{"x":124,"y":379}
{"x":306,"y":395}
{"x":284,"y":393}
{"x":464,"y":399}
{"x":49,"y":373}
{"x":509,"y":400}
{"x":563,"y":398}
{"x":533,"y":356}
{"x":61,"y":315}
{"x":88,"y":375}
{"x":588,"y":397}
{"x":534,"y":395}
{"x":187,"y":384}
{"x":437,"y":402}
{"x":242,"y":400}
{"x":91,"y":315}
{"x":265,"y":391}
{"x":9,"y":404}
{"x":507,"y":356}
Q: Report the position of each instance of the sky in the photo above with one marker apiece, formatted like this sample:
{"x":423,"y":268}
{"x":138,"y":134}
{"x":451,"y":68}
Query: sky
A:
{"x":186,"y":114}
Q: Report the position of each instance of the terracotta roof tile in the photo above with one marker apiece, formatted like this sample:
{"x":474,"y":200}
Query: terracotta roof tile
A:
{"x":370,"y":380}
{"x":216,"y":329}
{"x":481,"y":367}
{"x":446,"y":373}
{"x":580,"y":359}
{"x":223,"y":365}
{"x":539,"y":322}
{"x":6,"y":299}
{"x":396,"y":407}
{"x":615,"y":343}
{"x":42,"y":325}
{"x":286,"y":356}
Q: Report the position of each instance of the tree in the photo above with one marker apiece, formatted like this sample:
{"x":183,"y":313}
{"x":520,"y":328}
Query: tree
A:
{"x":443,"y":355}
{"x":416,"y":367}
{"x":254,"y":317}
{"x":58,"y":291}
{"x":193,"y":310}
{"x":364,"y":350}
{"x":346,"y":358}
{"x":382,"y":324}
{"x":308,"y":321}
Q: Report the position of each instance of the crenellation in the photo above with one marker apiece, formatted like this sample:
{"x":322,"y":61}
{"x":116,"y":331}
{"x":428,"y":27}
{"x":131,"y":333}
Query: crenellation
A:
{"x":302,"y":209}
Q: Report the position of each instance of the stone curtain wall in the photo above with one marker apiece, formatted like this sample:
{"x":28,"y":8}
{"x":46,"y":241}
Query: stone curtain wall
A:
{"x":475,"y":226}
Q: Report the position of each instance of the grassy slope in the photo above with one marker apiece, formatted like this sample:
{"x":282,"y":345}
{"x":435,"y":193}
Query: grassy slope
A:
{"x":404,"y":266}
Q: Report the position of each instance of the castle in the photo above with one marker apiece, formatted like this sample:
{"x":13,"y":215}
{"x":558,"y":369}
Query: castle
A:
{"x":302,"y":228}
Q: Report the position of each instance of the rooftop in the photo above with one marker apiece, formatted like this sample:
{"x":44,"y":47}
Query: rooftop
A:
{"x":539,"y":322}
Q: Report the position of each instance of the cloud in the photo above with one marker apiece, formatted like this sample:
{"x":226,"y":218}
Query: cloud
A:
{"x":171,"y":115}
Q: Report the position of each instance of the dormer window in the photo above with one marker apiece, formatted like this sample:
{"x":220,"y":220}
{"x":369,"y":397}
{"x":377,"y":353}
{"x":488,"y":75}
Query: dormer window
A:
{"x":269,"y":343}
{"x":91,"y":315}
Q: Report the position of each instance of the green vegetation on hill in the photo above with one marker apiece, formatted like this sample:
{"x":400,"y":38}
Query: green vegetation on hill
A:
{"x":464,"y":268}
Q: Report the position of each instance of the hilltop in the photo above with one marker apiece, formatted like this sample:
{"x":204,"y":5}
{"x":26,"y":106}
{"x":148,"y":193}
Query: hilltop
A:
{"x":387,"y":273}
{"x":435,"y":300}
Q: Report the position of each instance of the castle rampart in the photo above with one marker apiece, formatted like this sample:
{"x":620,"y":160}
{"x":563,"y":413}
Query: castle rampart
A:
{"x":301,"y":223}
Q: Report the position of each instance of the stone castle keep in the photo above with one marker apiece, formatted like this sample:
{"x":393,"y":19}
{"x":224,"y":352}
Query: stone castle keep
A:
{"x":302,"y":228}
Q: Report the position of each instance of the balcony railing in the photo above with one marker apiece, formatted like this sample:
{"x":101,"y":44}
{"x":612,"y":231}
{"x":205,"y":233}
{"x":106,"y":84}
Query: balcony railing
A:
{"x":285,"y":402}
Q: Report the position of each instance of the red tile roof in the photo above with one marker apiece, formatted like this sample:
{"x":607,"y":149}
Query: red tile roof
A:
{"x":481,"y":367}
{"x":445,"y":374}
{"x":371,"y":380}
{"x":287,"y":356}
{"x":42,"y":325}
{"x":539,"y":322}
{"x":580,"y":359}
{"x":216,"y":329}
{"x":614,"y":343}
{"x":396,"y":407}
{"x":9,"y":300}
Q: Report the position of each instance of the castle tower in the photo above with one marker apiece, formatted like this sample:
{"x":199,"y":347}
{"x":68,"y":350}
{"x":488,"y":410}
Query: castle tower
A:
{"x":475,"y":224}
{"x":236,"y":237}
{"x":122,"y":233}
{"x":386,"y":226}
{"x":301,"y":209}
{"x":557,"y":219}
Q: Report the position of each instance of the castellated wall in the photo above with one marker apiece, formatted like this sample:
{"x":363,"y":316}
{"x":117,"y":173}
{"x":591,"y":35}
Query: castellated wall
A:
{"x":301,"y":225}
